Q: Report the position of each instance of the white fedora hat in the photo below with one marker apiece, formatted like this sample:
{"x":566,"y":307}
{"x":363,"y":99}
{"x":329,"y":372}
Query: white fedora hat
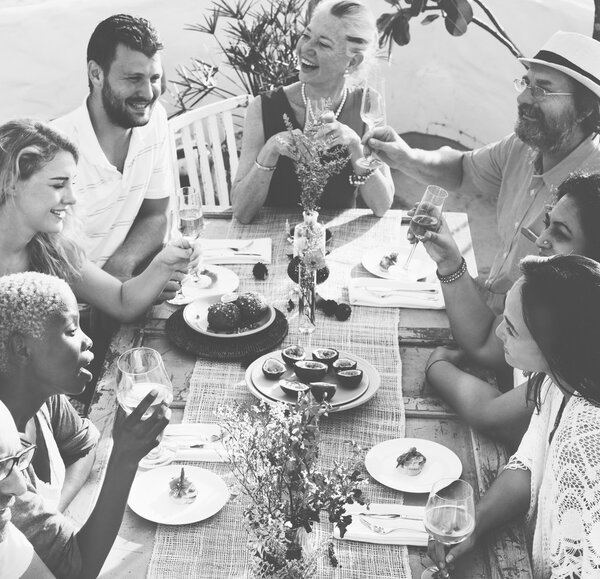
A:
{"x":576,"y":55}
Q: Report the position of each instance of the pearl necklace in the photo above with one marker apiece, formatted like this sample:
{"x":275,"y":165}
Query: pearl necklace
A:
{"x":309,"y":112}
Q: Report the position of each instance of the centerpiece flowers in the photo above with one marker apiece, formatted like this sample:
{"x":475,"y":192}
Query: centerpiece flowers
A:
{"x":273,"y":452}
{"x":314,"y":164}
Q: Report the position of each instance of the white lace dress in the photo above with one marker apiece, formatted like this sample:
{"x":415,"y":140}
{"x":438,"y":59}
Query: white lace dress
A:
{"x":564,"y":514}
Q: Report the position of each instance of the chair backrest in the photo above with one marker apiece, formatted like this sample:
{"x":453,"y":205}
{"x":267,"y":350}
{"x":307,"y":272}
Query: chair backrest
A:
{"x":207,"y":138}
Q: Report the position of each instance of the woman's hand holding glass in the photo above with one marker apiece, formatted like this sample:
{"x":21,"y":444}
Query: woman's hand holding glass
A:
{"x":145,"y":392}
{"x":449,"y":520}
{"x":440,"y":245}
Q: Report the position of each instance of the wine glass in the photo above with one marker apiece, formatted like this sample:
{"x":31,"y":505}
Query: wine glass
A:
{"x":427,"y":216}
{"x":449,"y":515}
{"x":372,"y":112}
{"x":189,"y":221}
{"x":139,"y":371}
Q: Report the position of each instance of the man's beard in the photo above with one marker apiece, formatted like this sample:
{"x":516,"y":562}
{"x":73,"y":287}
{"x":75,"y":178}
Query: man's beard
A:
{"x":117,"y":111}
{"x":540,"y":134}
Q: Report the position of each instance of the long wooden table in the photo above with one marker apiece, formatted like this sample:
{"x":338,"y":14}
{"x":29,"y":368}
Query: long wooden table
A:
{"x":503,"y":556}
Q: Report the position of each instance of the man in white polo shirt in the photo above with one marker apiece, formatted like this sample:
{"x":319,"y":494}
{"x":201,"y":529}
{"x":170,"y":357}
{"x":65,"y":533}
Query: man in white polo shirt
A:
{"x":123,"y":179}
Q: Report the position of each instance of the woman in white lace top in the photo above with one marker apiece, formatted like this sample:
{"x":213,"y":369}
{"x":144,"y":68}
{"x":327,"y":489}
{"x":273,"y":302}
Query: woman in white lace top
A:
{"x":551,"y":327}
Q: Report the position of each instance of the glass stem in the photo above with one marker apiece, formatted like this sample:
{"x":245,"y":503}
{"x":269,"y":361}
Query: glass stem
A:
{"x":410,"y":255}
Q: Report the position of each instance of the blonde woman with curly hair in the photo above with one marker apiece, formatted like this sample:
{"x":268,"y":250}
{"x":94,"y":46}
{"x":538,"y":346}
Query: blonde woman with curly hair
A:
{"x":44,"y":355}
{"x":37,"y":167}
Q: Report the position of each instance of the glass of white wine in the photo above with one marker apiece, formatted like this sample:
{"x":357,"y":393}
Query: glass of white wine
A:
{"x":449,"y":515}
{"x":372,"y":112}
{"x":427,"y":216}
{"x":139,"y":371}
{"x":189,"y":220}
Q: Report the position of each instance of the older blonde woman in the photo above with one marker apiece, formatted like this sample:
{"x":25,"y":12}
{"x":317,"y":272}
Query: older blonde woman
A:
{"x":336,"y":45}
{"x":37,"y":166}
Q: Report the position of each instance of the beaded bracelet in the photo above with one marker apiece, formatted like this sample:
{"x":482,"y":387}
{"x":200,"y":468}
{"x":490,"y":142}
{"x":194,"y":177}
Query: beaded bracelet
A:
{"x":358,"y":180}
{"x":264,"y":167}
{"x":453,"y":276}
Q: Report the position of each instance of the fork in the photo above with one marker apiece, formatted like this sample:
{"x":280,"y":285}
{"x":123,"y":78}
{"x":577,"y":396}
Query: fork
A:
{"x":378,"y":528}
{"x":236,"y":248}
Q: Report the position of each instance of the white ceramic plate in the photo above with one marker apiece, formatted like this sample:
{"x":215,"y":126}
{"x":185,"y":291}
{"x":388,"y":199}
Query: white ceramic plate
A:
{"x":218,"y":280}
{"x":420,"y":266}
{"x":195,"y":316}
{"x":441,"y":463}
{"x":149,"y":496}
{"x":344,"y":399}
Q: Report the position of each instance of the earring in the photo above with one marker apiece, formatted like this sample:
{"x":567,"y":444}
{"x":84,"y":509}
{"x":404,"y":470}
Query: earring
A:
{"x":346,"y":72}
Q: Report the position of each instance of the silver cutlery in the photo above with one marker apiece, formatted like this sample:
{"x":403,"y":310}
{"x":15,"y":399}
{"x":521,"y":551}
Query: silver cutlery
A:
{"x":379,"y":529}
{"x":391,"y":516}
{"x":194,"y":437}
{"x":384,"y":289}
{"x":236,"y":247}
{"x":426,"y":297}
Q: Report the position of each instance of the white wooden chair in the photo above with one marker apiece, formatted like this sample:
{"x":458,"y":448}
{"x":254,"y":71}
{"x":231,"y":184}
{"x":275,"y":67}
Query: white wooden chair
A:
{"x":203,"y":135}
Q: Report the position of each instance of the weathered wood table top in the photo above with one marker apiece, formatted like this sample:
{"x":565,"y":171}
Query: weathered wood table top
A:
{"x":503,"y":556}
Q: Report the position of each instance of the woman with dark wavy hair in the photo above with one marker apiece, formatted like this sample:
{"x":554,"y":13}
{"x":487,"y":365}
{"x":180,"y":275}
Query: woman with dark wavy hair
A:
{"x":551,"y":328}
{"x":37,"y":166}
{"x":571,"y":226}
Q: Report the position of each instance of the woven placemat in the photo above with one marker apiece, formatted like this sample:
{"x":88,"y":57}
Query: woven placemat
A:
{"x":245,"y":347}
{"x":216,"y":548}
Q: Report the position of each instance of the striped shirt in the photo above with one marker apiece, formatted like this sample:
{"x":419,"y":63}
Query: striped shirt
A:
{"x":108,"y":201}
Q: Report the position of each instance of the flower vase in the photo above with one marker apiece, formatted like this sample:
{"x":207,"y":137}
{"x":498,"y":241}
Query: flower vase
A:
{"x":309,"y":247}
{"x":294,"y":558}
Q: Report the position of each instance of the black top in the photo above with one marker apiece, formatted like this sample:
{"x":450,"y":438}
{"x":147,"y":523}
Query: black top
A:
{"x":284,"y":190}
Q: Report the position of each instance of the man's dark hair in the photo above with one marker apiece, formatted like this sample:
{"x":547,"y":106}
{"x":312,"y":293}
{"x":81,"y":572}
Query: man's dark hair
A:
{"x":587,"y":104}
{"x":135,"y":33}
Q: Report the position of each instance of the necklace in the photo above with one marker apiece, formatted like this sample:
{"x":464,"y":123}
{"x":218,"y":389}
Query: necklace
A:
{"x":309,"y":112}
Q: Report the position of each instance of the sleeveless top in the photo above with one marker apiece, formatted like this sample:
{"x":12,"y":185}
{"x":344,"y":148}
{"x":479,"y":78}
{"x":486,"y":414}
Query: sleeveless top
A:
{"x":284,"y":189}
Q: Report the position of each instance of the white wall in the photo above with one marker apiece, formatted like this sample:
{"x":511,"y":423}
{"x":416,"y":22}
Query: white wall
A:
{"x":460,"y":88}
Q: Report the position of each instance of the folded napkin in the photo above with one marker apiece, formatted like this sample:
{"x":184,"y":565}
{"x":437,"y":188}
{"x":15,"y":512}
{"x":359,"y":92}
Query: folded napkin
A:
{"x":182,"y":436}
{"x":389,"y":293}
{"x":411,"y":532}
{"x":220,"y":251}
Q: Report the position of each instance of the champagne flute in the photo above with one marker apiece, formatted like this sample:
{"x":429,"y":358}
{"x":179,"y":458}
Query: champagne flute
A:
{"x":449,"y":515}
{"x":139,"y":371}
{"x":372,"y":112}
{"x":190,"y":224}
{"x":427,"y":216}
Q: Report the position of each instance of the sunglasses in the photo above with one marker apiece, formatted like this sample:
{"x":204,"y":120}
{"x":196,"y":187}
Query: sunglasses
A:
{"x":21,"y":460}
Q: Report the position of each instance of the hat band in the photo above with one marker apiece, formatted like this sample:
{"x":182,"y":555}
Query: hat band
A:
{"x":554,"y":58}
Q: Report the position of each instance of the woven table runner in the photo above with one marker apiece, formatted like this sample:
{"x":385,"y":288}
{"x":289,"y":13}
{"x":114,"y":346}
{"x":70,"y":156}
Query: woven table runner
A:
{"x":216,"y":548}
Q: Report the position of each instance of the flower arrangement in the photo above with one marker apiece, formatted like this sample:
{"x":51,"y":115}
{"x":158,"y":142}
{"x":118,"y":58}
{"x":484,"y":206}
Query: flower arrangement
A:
{"x":314,"y":164}
{"x":273,"y":452}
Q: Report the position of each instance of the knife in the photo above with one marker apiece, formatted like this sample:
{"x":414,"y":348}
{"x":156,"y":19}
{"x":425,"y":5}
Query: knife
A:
{"x":391,"y":516}
{"x":385,"y":289}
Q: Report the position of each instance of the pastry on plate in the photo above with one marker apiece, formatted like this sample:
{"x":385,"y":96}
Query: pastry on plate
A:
{"x":182,"y":489}
{"x":411,"y":462}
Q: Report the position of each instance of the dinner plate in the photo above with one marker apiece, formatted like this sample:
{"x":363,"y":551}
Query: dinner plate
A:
{"x":213,"y":280}
{"x":420,"y":266}
{"x":149,"y":496}
{"x":344,"y":399}
{"x":441,"y":463}
{"x":195,"y":316}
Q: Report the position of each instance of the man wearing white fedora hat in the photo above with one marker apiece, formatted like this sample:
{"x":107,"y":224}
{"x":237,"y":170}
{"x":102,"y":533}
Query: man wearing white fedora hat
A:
{"x":556,"y":133}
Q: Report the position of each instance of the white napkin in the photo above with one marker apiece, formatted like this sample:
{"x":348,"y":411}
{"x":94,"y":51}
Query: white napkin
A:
{"x":411,"y":532}
{"x":389,"y":293}
{"x":218,"y":251}
{"x":183,"y":435}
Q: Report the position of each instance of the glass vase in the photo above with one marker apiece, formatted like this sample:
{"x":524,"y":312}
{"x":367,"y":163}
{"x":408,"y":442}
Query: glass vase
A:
{"x":309,"y":248}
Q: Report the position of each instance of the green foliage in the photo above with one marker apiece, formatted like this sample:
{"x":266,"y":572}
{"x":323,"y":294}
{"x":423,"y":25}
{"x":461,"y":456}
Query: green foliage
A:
{"x":273,"y":452}
{"x":259,"y":46}
{"x":457,"y":15}
{"x":314,"y":163}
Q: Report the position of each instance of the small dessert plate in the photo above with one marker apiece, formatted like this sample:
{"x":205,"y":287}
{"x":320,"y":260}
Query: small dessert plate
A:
{"x":212,"y":280}
{"x":421,"y":265}
{"x":149,"y":496}
{"x":381,"y":463}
